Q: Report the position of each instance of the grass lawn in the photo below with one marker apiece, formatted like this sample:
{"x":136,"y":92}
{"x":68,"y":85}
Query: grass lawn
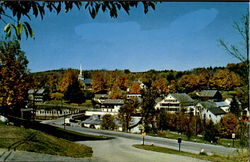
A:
{"x":36,"y":141}
{"x":242,"y":157}
{"x":221,"y":141}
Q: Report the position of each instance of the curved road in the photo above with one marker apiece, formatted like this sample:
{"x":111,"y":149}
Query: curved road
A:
{"x":120,"y":147}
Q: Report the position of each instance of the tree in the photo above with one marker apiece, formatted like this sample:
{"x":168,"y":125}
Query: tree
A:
{"x":116,"y":92}
{"x":225,"y":80}
{"x":99,"y":82}
{"x":108,"y":122}
{"x":126,"y":112}
{"x":123,"y":82}
{"x":68,"y":77}
{"x":243,"y":133}
{"x":22,"y":10}
{"x":13,"y":77}
{"x":188,"y":82}
{"x":135,"y":88}
{"x":210,"y":132}
{"x":148,"y":111}
{"x":235,"y":107}
{"x":160,"y":85}
{"x":228,"y":125}
{"x":162,"y":121}
{"x":241,"y":53}
{"x":73,"y":93}
{"x":203,"y":78}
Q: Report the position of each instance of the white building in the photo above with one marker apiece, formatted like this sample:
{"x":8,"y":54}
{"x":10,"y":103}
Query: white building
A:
{"x":176,"y":102}
{"x":209,"y":110}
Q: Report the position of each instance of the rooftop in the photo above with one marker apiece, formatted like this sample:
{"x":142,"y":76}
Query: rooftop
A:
{"x":182,"y":97}
{"x":207,"y":93}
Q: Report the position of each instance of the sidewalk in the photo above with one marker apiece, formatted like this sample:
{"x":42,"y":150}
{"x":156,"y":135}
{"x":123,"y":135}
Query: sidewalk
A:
{"x":31,"y":156}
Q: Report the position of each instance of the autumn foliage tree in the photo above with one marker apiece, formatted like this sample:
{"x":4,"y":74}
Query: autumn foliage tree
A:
{"x":135,"y":88}
{"x":225,"y":79}
{"x":160,"y":85}
{"x":99,"y":82}
{"x":187,"y":83}
{"x":116,"y":92}
{"x":228,"y":125}
{"x":68,"y":77}
{"x":14,"y":82}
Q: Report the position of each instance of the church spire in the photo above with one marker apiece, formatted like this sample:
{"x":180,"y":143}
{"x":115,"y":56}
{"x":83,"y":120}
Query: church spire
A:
{"x":80,"y":76}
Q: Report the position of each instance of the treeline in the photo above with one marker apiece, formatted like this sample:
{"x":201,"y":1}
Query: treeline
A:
{"x":232,"y":78}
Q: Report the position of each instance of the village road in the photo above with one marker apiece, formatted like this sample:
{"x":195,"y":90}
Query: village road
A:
{"x":187,"y":146}
{"x":121,"y":150}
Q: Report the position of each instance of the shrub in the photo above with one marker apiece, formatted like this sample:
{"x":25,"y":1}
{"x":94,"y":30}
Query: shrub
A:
{"x":162,"y":133}
{"x":108,"y":122}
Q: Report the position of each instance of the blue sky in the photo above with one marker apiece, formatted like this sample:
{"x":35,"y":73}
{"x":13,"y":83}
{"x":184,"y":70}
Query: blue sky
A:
{"x":178,"y":36}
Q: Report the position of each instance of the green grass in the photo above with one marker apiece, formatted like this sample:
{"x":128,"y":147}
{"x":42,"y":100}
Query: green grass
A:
{"x":221,"y":141}
{"x":36,"y":141}
{"x":242,"y":157}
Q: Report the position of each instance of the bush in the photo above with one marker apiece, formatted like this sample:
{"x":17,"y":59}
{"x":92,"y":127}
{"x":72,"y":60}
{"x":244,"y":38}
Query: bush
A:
{"x":56,"y":96}
{"x":162,"y":133}
{"x":108,"y":122}
{"x":211,"y":132}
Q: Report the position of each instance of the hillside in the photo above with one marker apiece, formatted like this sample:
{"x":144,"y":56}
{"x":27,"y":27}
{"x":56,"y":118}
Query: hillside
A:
{"x":36,"y":141}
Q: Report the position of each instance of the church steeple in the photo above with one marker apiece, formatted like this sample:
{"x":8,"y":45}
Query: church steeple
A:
{"x":80,"y":76}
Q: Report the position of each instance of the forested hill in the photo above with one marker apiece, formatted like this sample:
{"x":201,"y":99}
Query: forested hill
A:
{"x":233,"y":78}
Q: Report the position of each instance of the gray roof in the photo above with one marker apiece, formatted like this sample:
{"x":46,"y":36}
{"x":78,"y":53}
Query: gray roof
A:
{"x":216,"y":111}
{"x":220,"y":104}
{"x":158,"y":99}
{"x":113,"y":101}
{"x":207,"y":93}
{"x":212,"y":107}
{"x":208,"y":104}
{"x":40,"y":91}
{"x":134,"y":122}
{"x":182,"y":97}
{"x":94,"y":119}
{"x":31,"y":91}
{"x":87,"y":81}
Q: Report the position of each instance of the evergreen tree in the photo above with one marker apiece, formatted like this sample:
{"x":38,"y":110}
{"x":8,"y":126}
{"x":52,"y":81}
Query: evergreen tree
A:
{"x":235,"y":107}
{"x":73,"y":93}
{"x":211,"y":132}
{"x":148,"y":111}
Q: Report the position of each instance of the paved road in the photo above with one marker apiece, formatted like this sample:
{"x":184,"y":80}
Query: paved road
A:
{"x":121,"y":150}
{"x":192,"y":147}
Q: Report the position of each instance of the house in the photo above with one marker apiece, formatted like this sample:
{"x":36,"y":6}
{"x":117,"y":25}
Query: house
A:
{"x":209,"y":110}
{"x":211,"y":95}
{"x":111,"y":105}
{"x":176,"y":102}
{"x":37,"y":96}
